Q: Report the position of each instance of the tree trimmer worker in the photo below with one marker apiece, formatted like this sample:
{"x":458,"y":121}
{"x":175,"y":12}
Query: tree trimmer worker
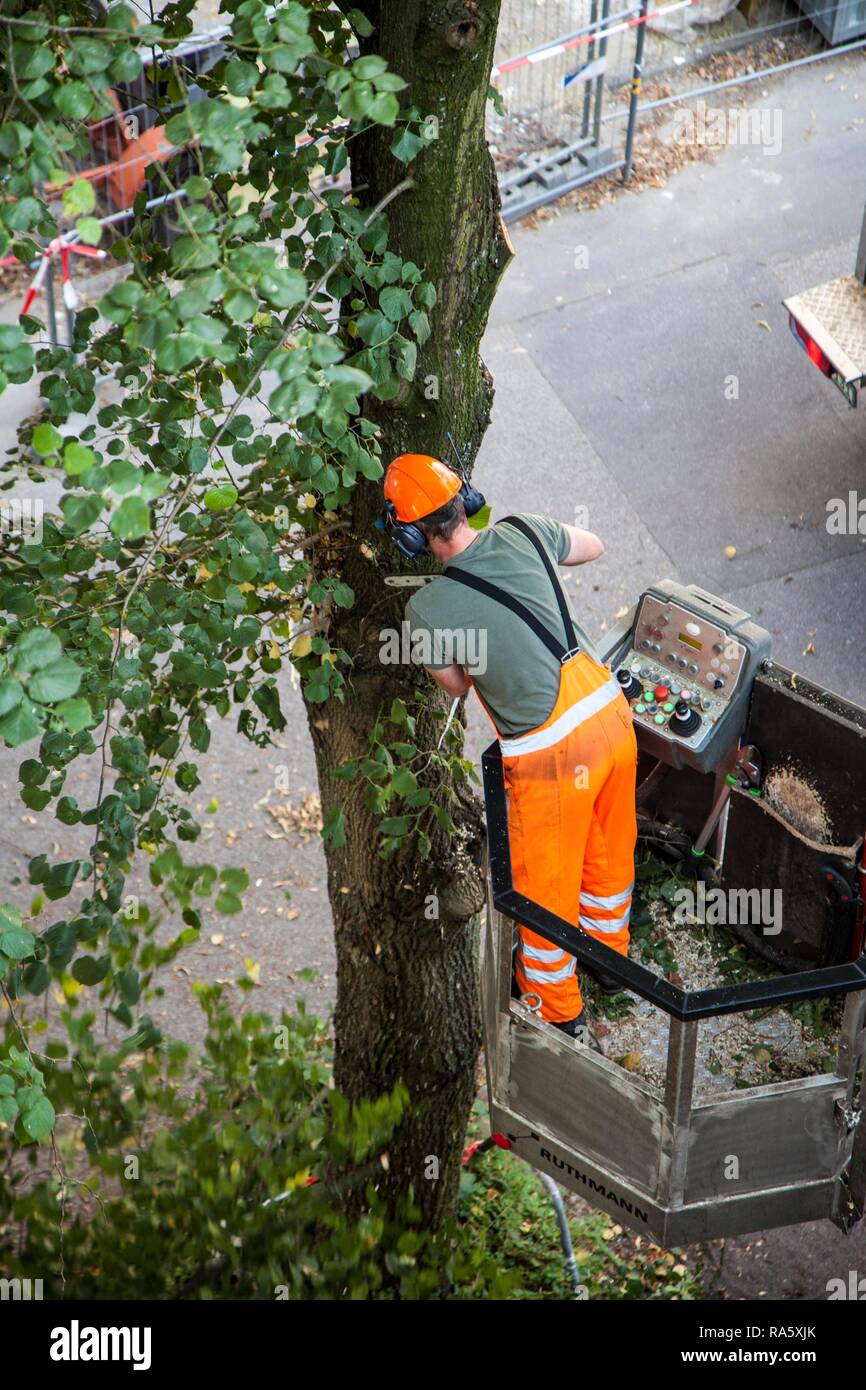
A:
{"x":565,"y":729}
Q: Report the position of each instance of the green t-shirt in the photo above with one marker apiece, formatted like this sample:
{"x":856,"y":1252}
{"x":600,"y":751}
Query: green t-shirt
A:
{"x":514,"y":673}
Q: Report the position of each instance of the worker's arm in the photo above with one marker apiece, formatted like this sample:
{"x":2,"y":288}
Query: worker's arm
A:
{"x":453,"y":679}
{"x":585,"y":546}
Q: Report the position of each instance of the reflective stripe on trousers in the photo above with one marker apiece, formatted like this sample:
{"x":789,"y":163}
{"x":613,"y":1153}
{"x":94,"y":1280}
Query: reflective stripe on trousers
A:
{"x":572,"y":826}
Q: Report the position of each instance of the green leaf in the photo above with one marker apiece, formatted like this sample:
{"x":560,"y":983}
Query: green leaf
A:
{"x":87,"y":970}
{"x":399,"y":714}
{"x":153,"y":485}
{"x":11,"y":694}
{"x":480,"y":519}
{"x":46,"y":440}
{"x":38,"y":1121}
{"x":369,"y":66}
{"x":77,"y":459}
{"x":405,"y":145}
{"x":294,"y":400}
{"x":11,"y":336}
{"x":495,"y":96}
{"x":76,"y":714}
{"x":81,"y":512}
{"x":240,"y":305}
{"x":67,"y":811}
{"x":24,"y":214}
{"x":89,"y":231}
{"x":284,"y":288}
{"x":360,"y":23}
{"x":395,"y":825}
{"x":395,"y":302}
{"x":420,"y":325}
{"x":343,"y":595}
{"x":217,"y":499}
{"x":374,"y":327}
{"x":79,"y":198}
{"x":19,"y":726}
{"x":36,"y":648}
{"x":55,"y":682}
{"x":384,"y":109}
{"x":73,"y":100}
{"x":405,"y":357}
{"x":404,"y":781}
{"x":238,"y":880}
{"x":17,"y":942}
{"x":131,"y":521}
{"x":334,"y":828}
{"x":197,"y":188}
{"x":356,"y":100}
{"x":175,"y":353}
{"x":389,"y":82}
{"x":241,"y":78}
{"x":126,"y":65}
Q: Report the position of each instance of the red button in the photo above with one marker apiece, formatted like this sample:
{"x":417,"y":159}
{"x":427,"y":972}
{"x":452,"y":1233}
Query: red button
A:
{"x":662,"y":692}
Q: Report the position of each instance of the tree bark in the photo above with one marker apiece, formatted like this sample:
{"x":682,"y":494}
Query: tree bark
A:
{"x":407,"y":981}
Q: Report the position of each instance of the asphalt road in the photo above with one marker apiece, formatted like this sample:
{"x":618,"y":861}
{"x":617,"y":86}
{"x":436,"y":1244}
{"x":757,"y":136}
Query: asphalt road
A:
{"x":611,"y":366}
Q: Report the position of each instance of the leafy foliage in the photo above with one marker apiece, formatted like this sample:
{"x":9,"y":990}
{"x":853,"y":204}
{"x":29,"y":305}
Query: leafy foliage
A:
{"x":223,"y":1181}
{"x":195,"y":551}
{"x":410,"y":787}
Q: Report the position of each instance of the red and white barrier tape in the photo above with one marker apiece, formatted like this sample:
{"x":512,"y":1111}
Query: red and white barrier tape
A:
{"x":597,"y":31}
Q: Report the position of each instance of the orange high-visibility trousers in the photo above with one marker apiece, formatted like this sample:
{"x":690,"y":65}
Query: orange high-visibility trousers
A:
{"x":572,"y":827}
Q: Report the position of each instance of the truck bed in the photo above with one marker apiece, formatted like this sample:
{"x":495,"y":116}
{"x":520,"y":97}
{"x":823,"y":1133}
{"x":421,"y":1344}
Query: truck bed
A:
{"x":834,"y":317}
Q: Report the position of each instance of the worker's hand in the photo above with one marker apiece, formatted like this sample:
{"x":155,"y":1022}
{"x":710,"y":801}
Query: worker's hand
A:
{"x":454,"y":680}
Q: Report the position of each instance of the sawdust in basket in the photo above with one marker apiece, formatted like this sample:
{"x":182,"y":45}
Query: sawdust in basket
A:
{"x":798,"y":802}
{"x":734,"y":1051}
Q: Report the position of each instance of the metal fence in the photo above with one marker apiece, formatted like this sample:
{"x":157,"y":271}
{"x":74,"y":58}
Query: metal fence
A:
{"x":548,"y":131}
{"x":570,"y":76}
{"x":546,"y":96}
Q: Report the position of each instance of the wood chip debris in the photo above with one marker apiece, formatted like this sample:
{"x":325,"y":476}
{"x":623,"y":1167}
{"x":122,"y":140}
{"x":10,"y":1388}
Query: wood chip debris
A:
{"x":800,"y":803}
{"x":734,"y":1051}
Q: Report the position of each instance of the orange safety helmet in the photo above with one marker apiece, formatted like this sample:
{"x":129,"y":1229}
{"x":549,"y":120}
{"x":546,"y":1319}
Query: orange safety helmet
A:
{"x":418,"y":484}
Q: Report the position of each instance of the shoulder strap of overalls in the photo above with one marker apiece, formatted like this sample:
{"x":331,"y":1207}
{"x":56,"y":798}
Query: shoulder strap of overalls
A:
{"x":567,"y":623}
{"x":483,"y":586}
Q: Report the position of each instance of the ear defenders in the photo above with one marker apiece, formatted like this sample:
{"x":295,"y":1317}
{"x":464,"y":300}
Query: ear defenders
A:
{"x":416,"y":486}
{"x":409,"y":537}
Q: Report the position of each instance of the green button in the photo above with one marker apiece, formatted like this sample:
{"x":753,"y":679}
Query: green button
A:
{"x":640,"y":707}
{"x":650,"y":696}
{"x":659,"y":719}
{"x":667,"y":707}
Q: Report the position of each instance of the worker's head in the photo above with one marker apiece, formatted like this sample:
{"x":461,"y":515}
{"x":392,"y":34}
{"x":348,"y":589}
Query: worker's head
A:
{"x":441,"y":524}
{"x":426,"y":502}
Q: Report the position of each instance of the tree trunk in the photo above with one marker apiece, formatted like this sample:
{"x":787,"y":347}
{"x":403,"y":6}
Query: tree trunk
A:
{"x":407,"y":981}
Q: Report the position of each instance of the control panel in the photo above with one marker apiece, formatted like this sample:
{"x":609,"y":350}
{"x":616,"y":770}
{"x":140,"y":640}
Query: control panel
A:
{"x":686,"y":661}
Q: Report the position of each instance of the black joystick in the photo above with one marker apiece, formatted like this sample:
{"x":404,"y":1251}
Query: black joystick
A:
{"x":631,"y":688}
{"x":684,"y":719}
